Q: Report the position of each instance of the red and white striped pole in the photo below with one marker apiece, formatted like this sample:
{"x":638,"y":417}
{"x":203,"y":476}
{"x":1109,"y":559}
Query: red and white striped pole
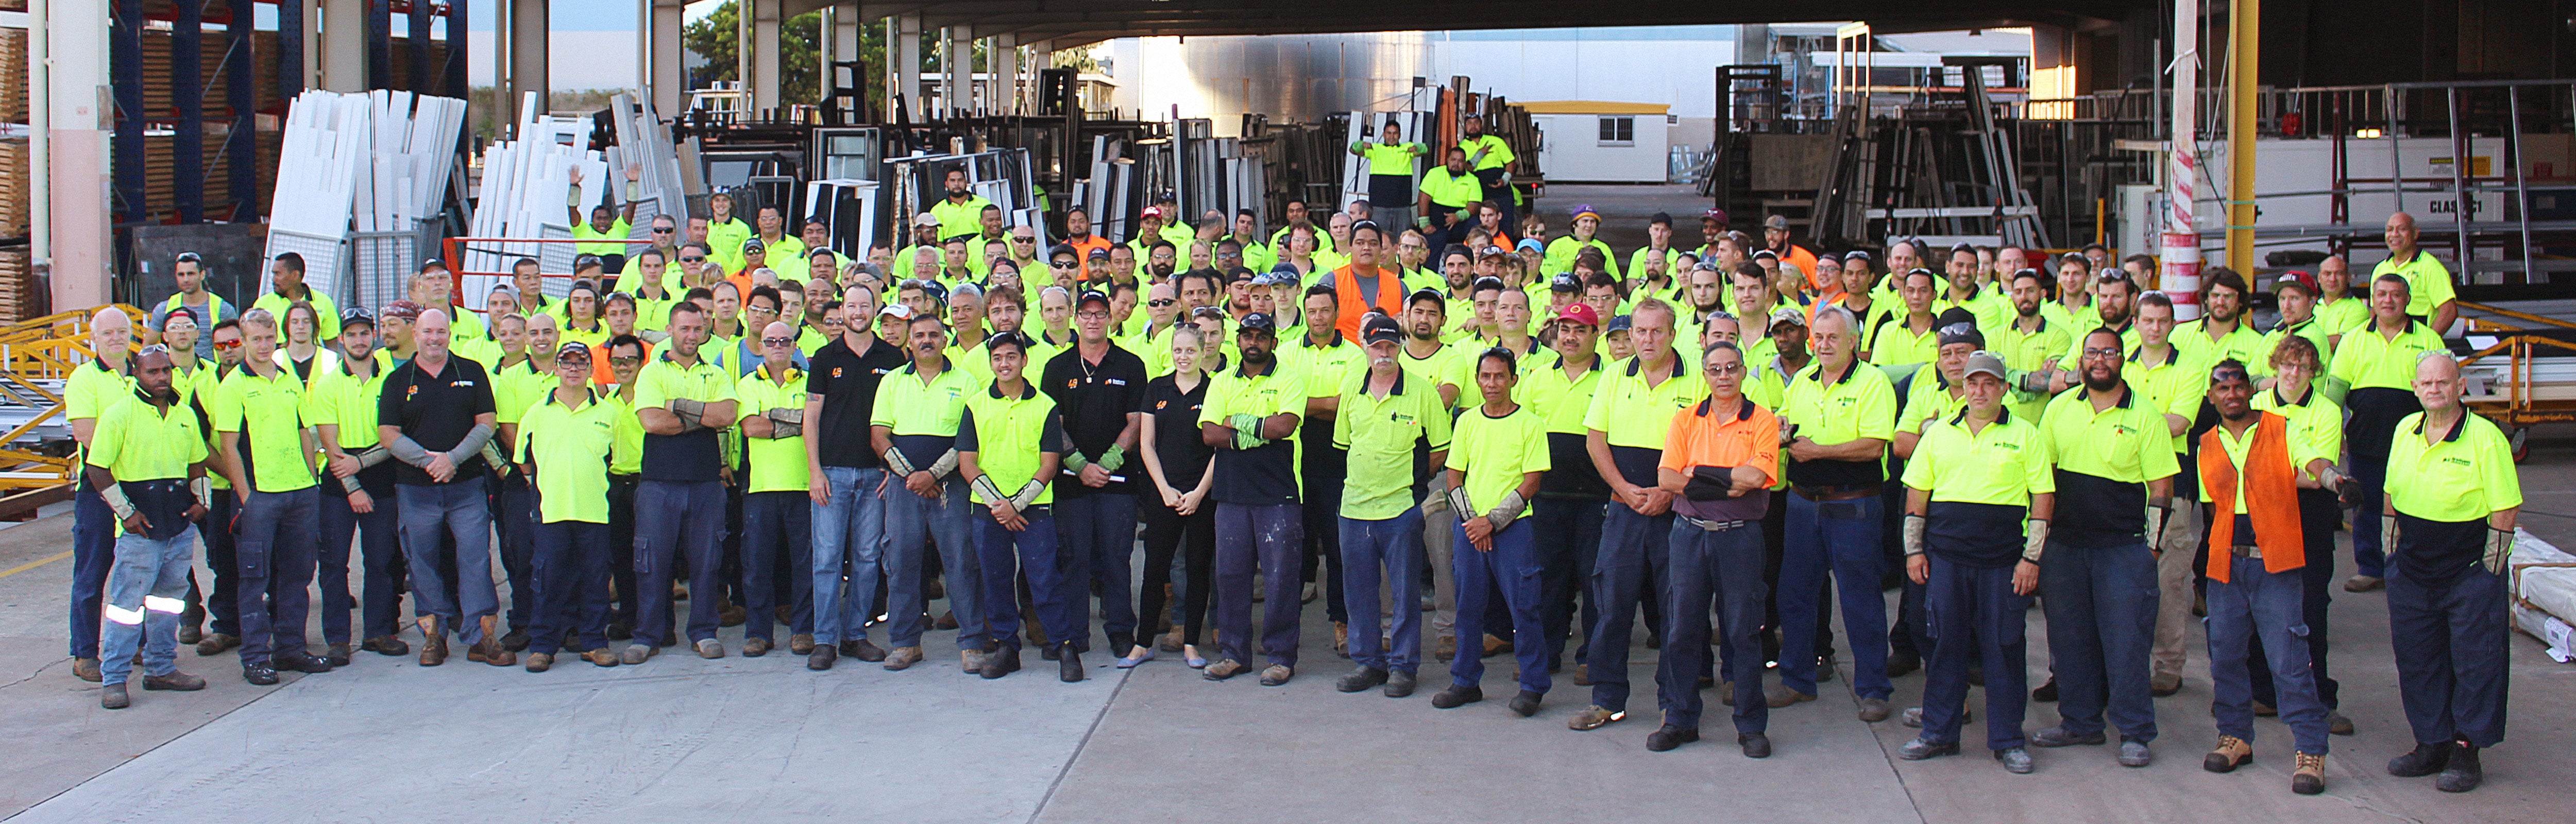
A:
{"x":2180,"y":256}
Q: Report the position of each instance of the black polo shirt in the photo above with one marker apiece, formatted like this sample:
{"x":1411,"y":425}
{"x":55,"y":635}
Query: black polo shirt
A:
{"x":848,"y":383}
{"x":1176,"y":432}
{"x":1095,"y":400}
{"x":435,"y":411}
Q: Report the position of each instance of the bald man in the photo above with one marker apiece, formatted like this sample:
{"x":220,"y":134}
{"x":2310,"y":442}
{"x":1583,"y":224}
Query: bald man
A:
{"x":435,"y":415}
{"x":2428,"y":282}
{"x":90,"y":391}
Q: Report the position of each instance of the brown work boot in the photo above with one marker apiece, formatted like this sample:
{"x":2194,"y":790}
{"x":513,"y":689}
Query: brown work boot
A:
{"x":755,"y":647}
{"x":490,"y":650}
{"x":2232,"y":752}
{"x":386,"y":645}
{"x":2310,"y":777}
{"x":173,"y":682}
{"x":1447,"y":648}
{"x":540,"y":662}
{"x":971,"y":660}
{"x":433,"y":643}
{"x":215,"y":644}
{"x":730,"y":614}
{"x":903,"y":658}
{"x":1171,"y":640}
{"x":1495,"y":645}
{"x":1342,"y":639}
{"x":801,"y":643}
{"x":113,"y":697}
{"x":86,"y":669}
{"x":1583,"y":675}
{"x":601,"y":657}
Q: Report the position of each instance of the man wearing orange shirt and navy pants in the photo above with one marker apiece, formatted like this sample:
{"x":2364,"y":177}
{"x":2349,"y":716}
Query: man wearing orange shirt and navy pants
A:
{"x":1717,"y":461}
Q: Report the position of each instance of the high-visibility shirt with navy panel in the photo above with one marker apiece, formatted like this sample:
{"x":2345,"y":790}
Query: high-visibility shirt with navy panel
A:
{"x":1838,"y":409}
{"x":2242,"y":343}
{"x":2103,"y":462}
{"x":269,"y":414}
{"x":1496,"y":452}
{"x":2370,"y":358}
{"x":1980,"y":485}
{"x":341,"y":400}
{"x":1389,"y":442}
{"x":1560,"y":399}
{"x":1007,"y":431}
{"x":1634,"y":417}
{"x":2467,"y":475}
{"x":1266,"y":474}
{"x":2301,"y":446}
{"x":2428,"y":283}
{"x":1496,"y":153}
{"x":2176,"y":386}
{"x":1437,"y":368}
{"x":777,"y":464}
{"x":91,"y":389}
{"x":134,"y":441}
{"x":1390,"y":167}
{"x":571,"y":448}
{"x":2314,"y":418}
{"x":692,"y":456}
{"x":921,"y":416}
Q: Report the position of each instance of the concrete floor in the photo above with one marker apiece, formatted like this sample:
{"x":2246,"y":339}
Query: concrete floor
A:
{"x":685,"y":739}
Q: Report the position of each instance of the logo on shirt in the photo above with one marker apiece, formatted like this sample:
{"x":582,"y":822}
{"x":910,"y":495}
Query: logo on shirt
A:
{"x":836,"y":373}
{"x":1114,"y":382}
{"x":410,"y":392}
{"x":1158,"y":405}
{"x":1070,"y":383}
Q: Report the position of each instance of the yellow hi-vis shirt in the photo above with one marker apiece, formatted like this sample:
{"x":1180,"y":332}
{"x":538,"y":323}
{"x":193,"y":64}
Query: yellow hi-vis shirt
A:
{"x":268,"y":412}
{"x":1382,"y":436}
{"x":571,"y":447}
{"x":1008,"y":436}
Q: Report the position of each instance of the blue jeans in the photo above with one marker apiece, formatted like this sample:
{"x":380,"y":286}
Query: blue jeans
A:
{"x":1975,"y":617}
{"x":2452,"y":666}
{"x":912,"y":524}
{"x":1569,"y":536}
{"x":1724,"y":567}
{"x":775,"y":530}
{"x":571,"y":586}
{"x":1002,"y":554}
{"x":849,"y":537}
{"x":93,"y":554}
{"x":516,"y":522}
{"x":146,"y":591}
{"x":1512,"y":568}
{"x":2101,"y":609}
{"x":676,"y":521}
{"x":2253,"y":603}
{"x":1634,"y":562}
{"x":379,"y":566}
{"x":434,"y":513}
{"x":1388,"y":551}
{"x":1840,"y":537}
{"x":1266,"y":535}
{"x":1097,"y":535}
{"x":274,"y":557}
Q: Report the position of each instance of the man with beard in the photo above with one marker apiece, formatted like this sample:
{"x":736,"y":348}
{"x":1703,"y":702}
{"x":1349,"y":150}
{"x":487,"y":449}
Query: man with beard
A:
{"x":1966,"y":292}
{"x":915,"y":422}
{"x":146,"y":458}
{"x":684,"y":404}
{"x":2030,"y":344}
{"x":358,"y":496}
{"x":1077,"y":234}
{"x":960,"y":211}
{"x":1492,"y":160}
{"x":843,"y":474}
{"x":1251,"y":418}
{"x":1659,"y":246}
{"x":2221,"y":332}
{"x":2115,"y":304}
{"x":1449,"y":194}
{"x":2251,"y":463}
{"x":1247,"y":237}
{"x":1775,"y":237}
{"x":2115,"y":468}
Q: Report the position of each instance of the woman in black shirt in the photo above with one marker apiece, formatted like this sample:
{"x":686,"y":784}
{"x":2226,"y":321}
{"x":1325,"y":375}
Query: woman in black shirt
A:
{"x":1177,"y":512}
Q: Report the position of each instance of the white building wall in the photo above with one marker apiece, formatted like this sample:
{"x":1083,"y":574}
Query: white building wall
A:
{"x":1574,"y":153}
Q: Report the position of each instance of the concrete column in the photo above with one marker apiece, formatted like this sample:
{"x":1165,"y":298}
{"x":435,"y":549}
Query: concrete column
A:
{"x":907,"y":64}
{"x":1006,"y":75}
{"x":1041,"y":55}
{"x":668,"y":77}
{"x":529,"y":28}
{"x":958,"y":66}
{"x":763,"y":55}
{"x":344,"y":45}
{"x":76,"y":148}
{"x":844,"y":41}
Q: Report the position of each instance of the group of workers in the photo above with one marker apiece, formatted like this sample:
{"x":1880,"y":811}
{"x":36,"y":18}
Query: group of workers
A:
{"x":1732,"y":438}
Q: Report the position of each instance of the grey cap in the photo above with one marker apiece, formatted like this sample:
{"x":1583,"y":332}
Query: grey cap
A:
{"x":1987,"y":362}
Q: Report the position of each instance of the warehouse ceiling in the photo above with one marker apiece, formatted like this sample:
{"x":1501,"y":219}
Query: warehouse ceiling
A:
{"x":1070,"y":23}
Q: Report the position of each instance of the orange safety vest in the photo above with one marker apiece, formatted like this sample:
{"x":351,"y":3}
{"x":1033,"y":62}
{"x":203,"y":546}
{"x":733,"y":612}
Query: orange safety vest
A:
{"x":1346,"y":284}
{"x":2272,"y":490}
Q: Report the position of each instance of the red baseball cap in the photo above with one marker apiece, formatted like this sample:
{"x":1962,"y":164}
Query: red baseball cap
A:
{"x":1579,"y":312}
{"x":2306,"y":282}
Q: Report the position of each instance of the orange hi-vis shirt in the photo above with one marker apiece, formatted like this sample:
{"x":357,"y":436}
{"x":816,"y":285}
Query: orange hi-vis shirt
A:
{"x":1702,"y":436}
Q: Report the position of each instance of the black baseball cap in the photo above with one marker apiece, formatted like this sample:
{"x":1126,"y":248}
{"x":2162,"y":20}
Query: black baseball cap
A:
{"x":1382,"y":329}
{"x":1258,"y":322}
